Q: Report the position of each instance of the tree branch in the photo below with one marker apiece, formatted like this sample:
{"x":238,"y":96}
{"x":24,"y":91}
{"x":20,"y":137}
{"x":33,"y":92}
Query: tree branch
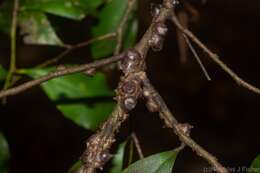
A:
{"x":71,"y":48}
{"x":98,"y":145}
{"x":186,"y":39}
{"x":137,"y":146}
{"x":128,"y":92}
{"x":214,"y":56}
{"x":59,"y":73}
{"x":181,"y":130}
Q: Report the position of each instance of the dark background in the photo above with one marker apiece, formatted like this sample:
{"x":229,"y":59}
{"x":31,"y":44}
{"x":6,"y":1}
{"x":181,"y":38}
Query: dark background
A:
{"x":225,"y":116}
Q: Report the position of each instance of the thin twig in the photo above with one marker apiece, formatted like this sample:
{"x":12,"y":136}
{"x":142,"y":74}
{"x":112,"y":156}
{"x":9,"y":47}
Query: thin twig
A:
{"x":59,"y":73}
{"x":181,"y":131}
{"x":137,"y":145}
{"x":196,"y":57}
{"x":12,"y":66}
{"x":214,"y":57}
{"x":131,"y":152}
{"x":122,"y":25}
{"x":71,"y":48}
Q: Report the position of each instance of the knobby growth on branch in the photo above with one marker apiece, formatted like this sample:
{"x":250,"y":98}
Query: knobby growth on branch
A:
{"x":134,"y":85}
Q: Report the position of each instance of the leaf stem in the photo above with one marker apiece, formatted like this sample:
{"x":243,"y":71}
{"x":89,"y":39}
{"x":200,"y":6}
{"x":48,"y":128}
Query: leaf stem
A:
{"x":122,"y":25}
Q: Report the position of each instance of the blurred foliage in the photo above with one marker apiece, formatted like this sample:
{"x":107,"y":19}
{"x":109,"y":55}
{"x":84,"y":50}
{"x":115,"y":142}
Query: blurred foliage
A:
{"x":37,"y":29}
{"x":4,"y":154}
{"x":3,"y":73}
{"x":85,"y":100}
{"x":110,"y":17}
{"x":255,"y":166}
{"x":118,"y":159}
{"x":157,"y":163}
{"x":76,"y":166}
{"x":72,"y":9}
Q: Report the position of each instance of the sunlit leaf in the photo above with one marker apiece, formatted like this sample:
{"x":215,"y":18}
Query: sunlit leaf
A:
{"x":4,"y":154}
{"x":3,"y":73}
{"x":158,"y":163}
{"x":118,"y":159}
{"x":109,"y":20}
{"x":73,"y":9}
{"x":255,"y":166}
{"x":37,"y":29}
{"x":87,"y":101}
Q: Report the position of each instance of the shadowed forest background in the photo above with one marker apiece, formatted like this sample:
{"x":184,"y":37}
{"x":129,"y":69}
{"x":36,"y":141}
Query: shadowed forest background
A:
{"x":225,"y":116}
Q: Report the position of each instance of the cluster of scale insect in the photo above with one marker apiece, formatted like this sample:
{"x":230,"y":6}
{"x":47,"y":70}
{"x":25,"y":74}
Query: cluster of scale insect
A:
{"x":159,"y":32}
{"x":129,"y":88}
{"x":159,"y":28}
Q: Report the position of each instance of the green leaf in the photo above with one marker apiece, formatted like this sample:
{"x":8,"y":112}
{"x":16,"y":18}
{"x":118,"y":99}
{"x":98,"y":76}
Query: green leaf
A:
{"x":87,"y":101}
{"x":75,"y":167}
{"x":109,"y":20}
{"x":158,"y":163}
{"x":72,"y":9}
{"x":118,"y":159}
{"x":37,"y":29}
{"x":4,"y":154}
{"x":131,"y":33}
{"x":255,"y":166}
{"x":3,"y":73}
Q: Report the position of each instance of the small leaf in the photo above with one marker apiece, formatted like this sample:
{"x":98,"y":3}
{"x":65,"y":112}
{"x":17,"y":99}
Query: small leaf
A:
{"x":75,"y":167}
{"x":4,"y":154}
{"x":109,"y":20}
{"x":37,"y":29}
{"x":3,"y":73}
{"x":72,"y":9}
{"x":118,"y":159}
{"x":255,"y":166}
{"x":87,"y":101}
{"x":158,"y":163}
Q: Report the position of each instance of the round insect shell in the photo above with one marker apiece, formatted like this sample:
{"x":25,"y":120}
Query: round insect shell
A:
{"x":129,"y":103}
{"x":105,"y":156}
{"x":156,"y":42}
{"x":161,"y":29}
{"x":175,"y":2}
{"x":131,"y":61}
{"x":155,"y":9}
{"x":129,"y":87}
